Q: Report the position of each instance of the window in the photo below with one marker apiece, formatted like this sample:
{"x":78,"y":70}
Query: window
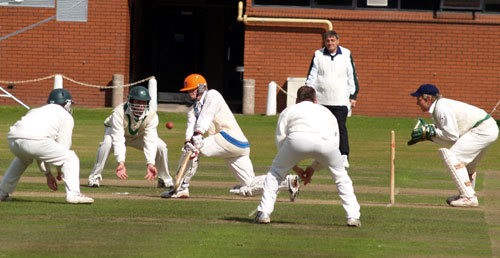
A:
{"x":422,"y":5}
{"x":492,"y":5}
{"x":28,"y":3}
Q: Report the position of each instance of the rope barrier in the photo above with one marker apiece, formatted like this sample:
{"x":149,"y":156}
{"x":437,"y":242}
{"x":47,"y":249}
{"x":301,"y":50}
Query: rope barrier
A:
{"x":284,"y":91}
{"x":77,"y":82}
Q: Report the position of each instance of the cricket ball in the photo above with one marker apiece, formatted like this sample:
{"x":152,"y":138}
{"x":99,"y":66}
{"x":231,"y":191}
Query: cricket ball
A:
{"x":170,"y":125}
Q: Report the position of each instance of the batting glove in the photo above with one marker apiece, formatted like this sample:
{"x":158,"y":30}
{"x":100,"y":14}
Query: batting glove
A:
{"x":197,"y":141}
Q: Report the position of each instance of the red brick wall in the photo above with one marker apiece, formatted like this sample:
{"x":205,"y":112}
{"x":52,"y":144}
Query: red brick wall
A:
{"x":394,"y":53}
{"x":89,"y":52}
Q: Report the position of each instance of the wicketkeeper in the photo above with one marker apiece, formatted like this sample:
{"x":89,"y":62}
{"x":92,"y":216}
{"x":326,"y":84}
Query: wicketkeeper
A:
{"x":211,"y":115}
{"x":468,"y":129}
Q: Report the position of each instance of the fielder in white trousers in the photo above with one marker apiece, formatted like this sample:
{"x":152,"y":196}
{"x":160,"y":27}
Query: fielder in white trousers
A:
{"x":307,"y":130}
{"x":106,"y":146}
{"x":48,"y":151}
{"x":44,"y":134}
{"x":325,"y":150}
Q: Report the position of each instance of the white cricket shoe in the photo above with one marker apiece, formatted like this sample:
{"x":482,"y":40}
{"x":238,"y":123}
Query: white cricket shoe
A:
{"x":262,"y":218}
{"x":4,"y":197}
{"x":354,"y":223}
{"x":94,"y":181}
{"x":345,"y":159}
{"x":452,"y":198}
{"x":293,"y":187}
{"x":235,"y":190}
{"x":182,"y":194}
{"x":465,"y":202}
{"x":78,"y":198}
{"x":164,"y":184}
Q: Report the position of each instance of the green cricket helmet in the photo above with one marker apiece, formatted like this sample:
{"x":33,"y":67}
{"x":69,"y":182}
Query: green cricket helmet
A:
{"x":139,"y":93}
{"x":61,"y":97}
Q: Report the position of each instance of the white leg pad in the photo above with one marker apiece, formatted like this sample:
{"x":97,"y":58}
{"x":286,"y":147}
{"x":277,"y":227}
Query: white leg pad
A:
{"x":256,"y":187}
{"x":191,"y":168}
{"x":458,"y":173}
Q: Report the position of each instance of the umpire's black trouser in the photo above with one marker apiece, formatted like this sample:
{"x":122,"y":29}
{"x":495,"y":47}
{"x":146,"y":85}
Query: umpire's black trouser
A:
{"x":340,"y":112}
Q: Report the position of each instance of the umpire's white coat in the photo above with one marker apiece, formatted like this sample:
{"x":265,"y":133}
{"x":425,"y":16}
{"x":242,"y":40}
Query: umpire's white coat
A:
{"x":308,"y":130}
{"x":43,"y":134}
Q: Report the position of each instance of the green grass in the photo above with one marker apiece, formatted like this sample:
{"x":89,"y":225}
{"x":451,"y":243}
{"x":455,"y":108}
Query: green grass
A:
{"x":212,"y":227}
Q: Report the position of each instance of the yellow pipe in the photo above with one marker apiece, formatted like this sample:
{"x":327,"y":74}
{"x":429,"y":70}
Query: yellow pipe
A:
{"x":245,"y":19}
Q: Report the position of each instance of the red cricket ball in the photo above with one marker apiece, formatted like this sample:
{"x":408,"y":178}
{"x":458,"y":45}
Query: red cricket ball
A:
{"x":170,"y":125}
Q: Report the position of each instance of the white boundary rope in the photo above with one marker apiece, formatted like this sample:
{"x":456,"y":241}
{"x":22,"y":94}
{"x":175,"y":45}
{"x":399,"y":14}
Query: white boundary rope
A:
{"x":77,"y":82}
{"x":284,"y":91}
{"x":495,"y":108}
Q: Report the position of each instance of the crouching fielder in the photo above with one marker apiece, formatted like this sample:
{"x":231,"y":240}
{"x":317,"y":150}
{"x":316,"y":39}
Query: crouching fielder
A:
{"x":210,"y":114}
{"x":133,"y":124}
{"x":308,"y":130}
{"x":468,"y":129}
{"x":44,"y":135}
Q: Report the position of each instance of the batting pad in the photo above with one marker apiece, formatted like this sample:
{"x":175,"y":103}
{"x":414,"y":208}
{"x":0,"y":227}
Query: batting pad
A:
{"x":458,"y":173}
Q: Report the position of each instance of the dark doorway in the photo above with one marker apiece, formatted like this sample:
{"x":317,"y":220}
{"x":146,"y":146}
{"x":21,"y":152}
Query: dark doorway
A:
{"x":172,"y":39}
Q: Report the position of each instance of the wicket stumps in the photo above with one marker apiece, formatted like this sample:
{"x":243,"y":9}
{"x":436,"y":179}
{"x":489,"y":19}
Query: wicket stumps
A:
{"x":393,"y":156}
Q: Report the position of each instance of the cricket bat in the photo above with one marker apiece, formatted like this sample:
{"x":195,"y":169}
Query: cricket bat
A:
{"x":179,"y":176}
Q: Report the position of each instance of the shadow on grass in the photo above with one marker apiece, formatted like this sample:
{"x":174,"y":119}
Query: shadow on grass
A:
{"x":250,"y":220}
{"x":36,"y":201}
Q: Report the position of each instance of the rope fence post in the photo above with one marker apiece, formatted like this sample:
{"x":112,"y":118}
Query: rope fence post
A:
{"x":153,"y":92}
{"x":58,"y":81}
{"x":117,"y":96}
{"x":271,"y":99}
{"x":248,"y":96}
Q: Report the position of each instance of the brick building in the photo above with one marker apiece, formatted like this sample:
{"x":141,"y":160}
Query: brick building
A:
{"x":396,"y":48}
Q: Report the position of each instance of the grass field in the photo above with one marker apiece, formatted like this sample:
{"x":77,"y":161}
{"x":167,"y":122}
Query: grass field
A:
{"x":129,"y":219}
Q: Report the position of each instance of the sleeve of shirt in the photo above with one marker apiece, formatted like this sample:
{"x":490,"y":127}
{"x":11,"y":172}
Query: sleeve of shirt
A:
{"x":355,"y":78}
{"x":150,"y":139}
{"x":118,"y":136}
{"x":281,"y":129}
{"x":211,"y":106}
{"x":350,"y":77}
{"x":448,"y":131}
{"x":191,"y":121}
{"x":66,"y":131}
{"x":313,"y":72}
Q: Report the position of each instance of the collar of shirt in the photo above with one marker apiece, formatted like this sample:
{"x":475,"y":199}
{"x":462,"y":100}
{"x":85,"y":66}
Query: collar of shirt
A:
{"x":433,"y":106}
{"x":198,"y":105}
{"x":326,"y":52}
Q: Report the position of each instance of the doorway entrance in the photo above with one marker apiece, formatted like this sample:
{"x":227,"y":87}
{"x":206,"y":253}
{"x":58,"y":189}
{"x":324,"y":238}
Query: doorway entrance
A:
{"x":171,"y":39}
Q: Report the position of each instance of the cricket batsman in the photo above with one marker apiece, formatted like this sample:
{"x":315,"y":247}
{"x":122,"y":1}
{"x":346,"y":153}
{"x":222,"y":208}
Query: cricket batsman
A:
{"x":469,"y":131}
{"x":211,"y":115}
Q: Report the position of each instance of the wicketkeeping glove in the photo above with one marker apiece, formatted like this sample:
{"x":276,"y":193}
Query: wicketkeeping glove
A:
{"x":422,"y":132}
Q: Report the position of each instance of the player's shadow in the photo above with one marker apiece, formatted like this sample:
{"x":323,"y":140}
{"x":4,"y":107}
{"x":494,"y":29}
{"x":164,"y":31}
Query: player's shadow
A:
{"x":250,"y":220}
{"x":37,"y":201}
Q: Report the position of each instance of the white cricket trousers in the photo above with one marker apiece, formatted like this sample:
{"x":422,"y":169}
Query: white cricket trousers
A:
{"x":240,"y":165}
{"x":48,"y":151}
{"x":105,"y":147}
{"x":324,"y":149}
{"x":472,"y":146}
